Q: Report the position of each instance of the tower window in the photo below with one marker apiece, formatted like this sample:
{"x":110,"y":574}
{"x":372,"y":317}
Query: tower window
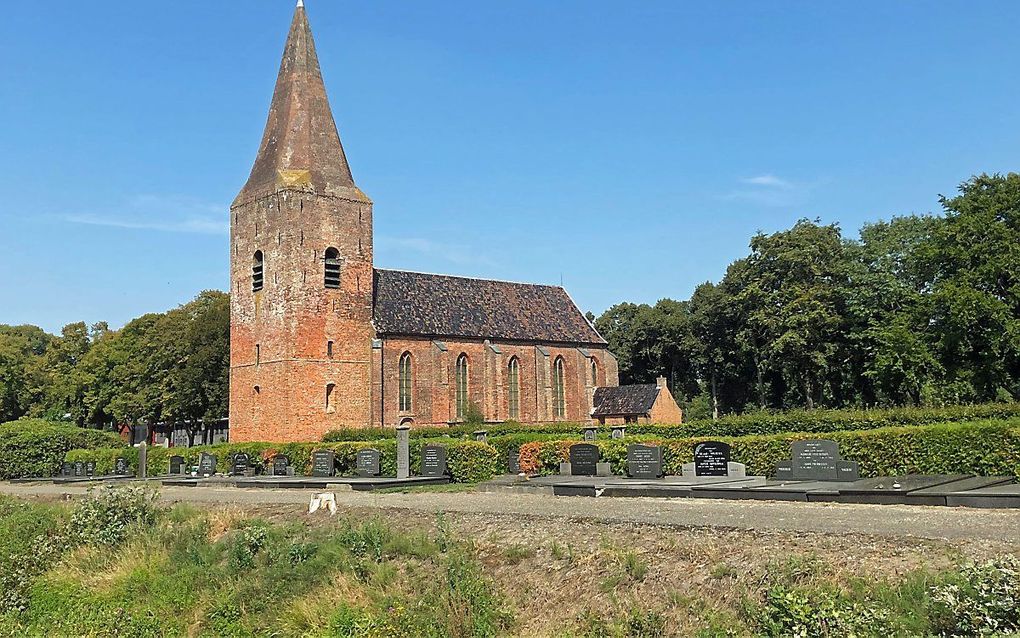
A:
{"x":258,"y":354}
{"x":513,"y":373}
{"x":461,"y":385}
{"x":559,"y":396}
{"x":330,"y":387}
{"x":257,"y":272}
{"x":329,"y":349}
{"x":405,"y":382}
{"x":332,"y":259}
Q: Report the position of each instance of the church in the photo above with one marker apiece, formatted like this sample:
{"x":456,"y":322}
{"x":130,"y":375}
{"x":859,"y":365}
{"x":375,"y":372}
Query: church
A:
{"x":321,"y":339}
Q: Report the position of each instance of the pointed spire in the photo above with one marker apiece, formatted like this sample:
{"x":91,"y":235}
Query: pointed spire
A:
{"x":300,"y":148}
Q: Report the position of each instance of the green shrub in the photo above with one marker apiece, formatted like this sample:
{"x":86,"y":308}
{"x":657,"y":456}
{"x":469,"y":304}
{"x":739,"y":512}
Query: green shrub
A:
{"x":36,"y":448}
{"x":983,"y":601}
{"x":31,"y":540}
{"x":819,"y":612}
{"x":105,"y":514}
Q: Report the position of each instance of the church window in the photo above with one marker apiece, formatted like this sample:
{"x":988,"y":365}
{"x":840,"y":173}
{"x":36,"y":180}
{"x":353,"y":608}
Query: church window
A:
{"x":461,"y":386}
{"x":405,"y":382}
{"x":559,"y":396}
{"x":329,"y":349}
{"x":513,"y":374}
{"x":594,"y":372}
{"x":257,"y":272}
{"x":332,"y":258}
{"x":258,"y":354}
{"x":330,"y":407}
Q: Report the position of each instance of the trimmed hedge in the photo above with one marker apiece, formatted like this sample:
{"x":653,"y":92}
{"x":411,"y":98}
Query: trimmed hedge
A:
{"x":984,"y":448}
{"x":467,"y":461}
{"x":36,"y":448}
{"x":817,"y":421}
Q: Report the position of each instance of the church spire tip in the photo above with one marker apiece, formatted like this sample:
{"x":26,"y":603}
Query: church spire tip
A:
{"x":300,"y":4}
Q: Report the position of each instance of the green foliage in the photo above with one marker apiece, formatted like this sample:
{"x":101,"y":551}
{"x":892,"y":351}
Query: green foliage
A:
{"x":31,"y":540}
{"x":818,"y":612}
{"x":106,"y":514}
{"x":984,"y":600}
{"x":36,"y":448}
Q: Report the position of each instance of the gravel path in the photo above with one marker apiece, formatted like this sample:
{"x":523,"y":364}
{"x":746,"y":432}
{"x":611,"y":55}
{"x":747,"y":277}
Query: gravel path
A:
{"x":825,"y":518}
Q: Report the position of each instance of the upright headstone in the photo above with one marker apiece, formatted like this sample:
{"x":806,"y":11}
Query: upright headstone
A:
{"x":368,"y":462}
{"x":816,"y":460}
{"x":79,"y":468}
{"x":143,"y":460}
{"x":206,"y":464}
{"x":481,"y":435}
{"x":281,"y":463}
{"x":90,"y":468}
{"x":433,"y":460}
{"x":513,"y":461}
{"x":240,"y":463}
{"x":323,"y":463}
{"x":644,"y":461}
{"x":67,"y":469}
{"x":176,"y":464}
{"x":619,"y":431}
{"x":403,"y":451}
{"x":121,"y":467}
{"x":589,"y":432}
{"x":584,"y":459}
{"x":711,"y":458}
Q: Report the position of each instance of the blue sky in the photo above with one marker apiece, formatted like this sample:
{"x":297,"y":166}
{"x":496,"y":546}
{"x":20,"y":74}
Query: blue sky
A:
{"x":629,"y":148}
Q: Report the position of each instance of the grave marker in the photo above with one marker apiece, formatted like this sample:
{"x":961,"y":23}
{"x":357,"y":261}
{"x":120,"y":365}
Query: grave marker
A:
{"x":589,"y":433}
{"x":79,"y":468}
{"x":513,"y":461}
{"x":240,"y":464}
{"x":368,"y":461}
{"x":584,"y":459}
{"x":711,"y":458}
{"x":619,"y":431}
{"x":90,"y":468}
{"x":176,"y":464}
{"x":323,"y":463}
{"x":121,"y":467}
{"x":433,"y":460}
{"x":281,"y":463}
{"x":67,"y":469}
{"x":816,"y":460}
{"x":644,"y":461}
{"x":206,"y":464}
{"x":403,"y":451}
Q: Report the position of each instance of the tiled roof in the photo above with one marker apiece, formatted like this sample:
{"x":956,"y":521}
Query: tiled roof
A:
{"x":411,"y":303}
{"x":625,"y":400}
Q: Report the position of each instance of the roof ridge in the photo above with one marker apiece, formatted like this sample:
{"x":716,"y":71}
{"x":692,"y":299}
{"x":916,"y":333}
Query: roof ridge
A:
{"x":501,"y":281}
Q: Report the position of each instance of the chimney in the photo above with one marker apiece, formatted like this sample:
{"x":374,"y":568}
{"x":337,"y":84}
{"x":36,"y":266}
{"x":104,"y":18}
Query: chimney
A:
{"x":660,"y":382}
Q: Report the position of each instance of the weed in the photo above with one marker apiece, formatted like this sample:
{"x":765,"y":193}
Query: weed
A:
{"x":516,"y":554}
{"x":635,"y":566}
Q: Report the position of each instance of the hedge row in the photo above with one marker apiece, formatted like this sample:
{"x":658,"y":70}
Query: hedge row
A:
{"x":467,"y":461}
{"x":986,"y":448}
{"x":817,"y":421}
{"x":34,"y":447}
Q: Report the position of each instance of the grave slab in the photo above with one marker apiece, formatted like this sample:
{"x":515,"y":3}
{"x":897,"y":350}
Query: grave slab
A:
{"x":892,"y":489}
{"x":1006,"y":496}
{"x":937,"y":495}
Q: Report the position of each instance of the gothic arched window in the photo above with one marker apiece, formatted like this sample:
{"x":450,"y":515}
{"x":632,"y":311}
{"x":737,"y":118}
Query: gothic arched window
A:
{"x":404,"y":384}
{"x":513,"y":378}
{"x":257,"y":271}
{"x":332,"y":274}
{"x":559,"y":395}
{"x":461,"y":385}
{"x":594,"y":373}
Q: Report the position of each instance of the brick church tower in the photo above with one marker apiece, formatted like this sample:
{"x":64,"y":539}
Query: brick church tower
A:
{"x":300,"y":269}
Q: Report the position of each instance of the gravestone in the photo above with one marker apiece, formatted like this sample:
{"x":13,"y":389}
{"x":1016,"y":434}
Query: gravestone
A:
{"x":143,"y":460}
{"x":240,"y":464}
{"x":67,"y":469}
{"x":433,"y":460}
{"x":281,"y":463}
{"x":619,"y":431}
{"x":816,"y":460}
{"x":481,"y":435}
{"x":644,"y":461}
{"x":368,"y":461}
{"x":206,"y":464}
{"x":177,"y":464}
{"x":403,"y":451}
{"x":513,"y":461}
{"x":121,"y":467}
{"x":584,"y":459}
{"x":711,"y":458}
{"x":323,"y":463}
{"x":79,"y":468}
{"x":589,"y":433}
{"x":90,"y":468}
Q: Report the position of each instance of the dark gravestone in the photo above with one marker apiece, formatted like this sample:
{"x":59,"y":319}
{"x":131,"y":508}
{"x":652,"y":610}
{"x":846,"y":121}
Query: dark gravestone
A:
{"x":90,"y":468}
{"x":177,"y":464}
{"x":240,"y":464}
{"x":513,"y":461}
{"x":433,"y":460}
{"x":816,"y":460}
{"x":367,"y":462}
{"x":711,"y":458}
{"x":121,"y":467}
{"x":79,"y":468}
{"x":584,"y":459}
{"x":644,"y":461}
{"x":206,"y":464}
{"x":67,"y":469}
{"x":323,"y":463}
{"x":280,"y":464}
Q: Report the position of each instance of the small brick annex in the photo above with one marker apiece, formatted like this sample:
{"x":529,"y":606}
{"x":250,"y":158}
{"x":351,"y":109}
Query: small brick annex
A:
{"x":320,"y":339}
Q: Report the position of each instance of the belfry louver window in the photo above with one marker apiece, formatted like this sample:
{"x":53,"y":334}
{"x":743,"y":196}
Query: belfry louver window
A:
{"x":332,"y":259}
{"x":257,"y":274}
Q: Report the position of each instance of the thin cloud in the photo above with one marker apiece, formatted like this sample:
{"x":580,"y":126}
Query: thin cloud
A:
{"x":768,"y":180}
{"x":161,"y":213}
{"x":768,"y":190}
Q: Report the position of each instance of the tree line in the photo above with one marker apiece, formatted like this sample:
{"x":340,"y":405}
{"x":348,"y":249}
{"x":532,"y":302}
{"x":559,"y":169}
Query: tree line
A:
{"x":167,"y":367}
{"x":920,"y":309}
